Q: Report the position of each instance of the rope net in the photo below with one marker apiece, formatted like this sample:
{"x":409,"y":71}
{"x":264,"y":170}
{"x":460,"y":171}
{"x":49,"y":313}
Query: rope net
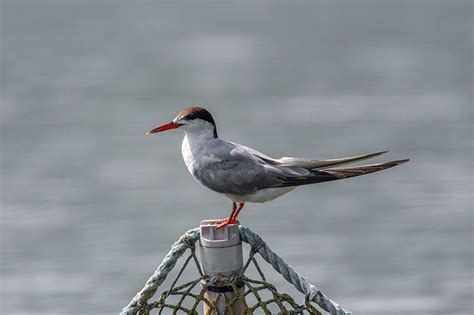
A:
{"x":250,"y":293}
{"x":255,"y":296}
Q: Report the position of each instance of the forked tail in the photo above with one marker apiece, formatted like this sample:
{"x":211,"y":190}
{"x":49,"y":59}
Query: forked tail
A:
{"x":318,"y":176}
{"x":362,"y":170}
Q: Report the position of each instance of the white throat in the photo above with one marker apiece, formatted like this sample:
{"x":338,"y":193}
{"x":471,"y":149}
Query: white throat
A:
{"x":194,"y":146}
{"x":197,"y":135}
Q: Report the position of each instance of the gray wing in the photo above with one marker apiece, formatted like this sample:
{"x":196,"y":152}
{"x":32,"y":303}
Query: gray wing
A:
{"x":235,"y":170}
{"x":316,"y":176}
{"x":241,"y":170}
{"x":308,"y":163}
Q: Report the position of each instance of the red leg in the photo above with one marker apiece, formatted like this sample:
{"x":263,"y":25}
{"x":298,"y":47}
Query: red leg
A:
{"x":221,"y":222}
{"x":234,"y":208}
{"x":233,"y":216}
{"x":236,"y":214}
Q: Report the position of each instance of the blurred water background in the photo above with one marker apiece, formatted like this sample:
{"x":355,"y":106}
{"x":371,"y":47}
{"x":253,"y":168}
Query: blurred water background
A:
{"x":89,"y":205}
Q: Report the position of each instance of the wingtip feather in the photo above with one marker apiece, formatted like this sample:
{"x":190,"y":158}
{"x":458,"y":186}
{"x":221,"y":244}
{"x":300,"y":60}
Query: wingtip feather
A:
{"x":401,"y":161}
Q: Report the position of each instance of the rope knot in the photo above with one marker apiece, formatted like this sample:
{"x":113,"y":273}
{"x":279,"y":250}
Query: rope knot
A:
{"x":259,"y":243}
{"x":221,"y":284}
{"x":187,"y":239}
{"x":312,"y":291}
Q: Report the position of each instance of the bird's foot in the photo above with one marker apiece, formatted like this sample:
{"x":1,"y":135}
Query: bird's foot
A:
{"x":225,"y":222}
{"x":219,"y":221}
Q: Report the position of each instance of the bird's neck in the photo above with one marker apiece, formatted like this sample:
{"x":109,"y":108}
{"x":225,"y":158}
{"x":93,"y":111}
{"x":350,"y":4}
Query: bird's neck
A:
{"x":199,"y":137}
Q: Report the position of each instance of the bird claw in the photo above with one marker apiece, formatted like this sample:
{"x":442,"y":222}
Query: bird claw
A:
{"x":232,"y":219}
{"x":225,"y":222}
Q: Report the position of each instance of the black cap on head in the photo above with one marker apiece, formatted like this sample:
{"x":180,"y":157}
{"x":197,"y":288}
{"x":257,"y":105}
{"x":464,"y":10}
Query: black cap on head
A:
{"x":192,"y":113}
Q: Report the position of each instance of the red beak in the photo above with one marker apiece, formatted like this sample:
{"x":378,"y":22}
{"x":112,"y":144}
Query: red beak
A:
{"x":164,"y":127}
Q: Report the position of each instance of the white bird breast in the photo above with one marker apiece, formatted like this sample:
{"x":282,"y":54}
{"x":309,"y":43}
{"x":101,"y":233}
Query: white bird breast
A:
{"x":187,"y":155}
{"x":262,"y":195}
{"x":194,"y":159}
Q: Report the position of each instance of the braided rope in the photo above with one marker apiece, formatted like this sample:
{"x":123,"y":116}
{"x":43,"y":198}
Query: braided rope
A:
{"x":290,"y":275}
{"x":312,"y":293}
{"x":177,"y":250}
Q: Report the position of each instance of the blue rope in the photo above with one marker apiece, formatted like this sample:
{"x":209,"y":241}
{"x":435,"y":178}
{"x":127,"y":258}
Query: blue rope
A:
{"x":311,"y":292}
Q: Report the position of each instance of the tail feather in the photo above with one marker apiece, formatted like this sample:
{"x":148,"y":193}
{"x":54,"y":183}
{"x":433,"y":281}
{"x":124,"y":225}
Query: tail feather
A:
{"x":318,"y":176}
{"x":321,"y":164}
{"x":362,"y":170}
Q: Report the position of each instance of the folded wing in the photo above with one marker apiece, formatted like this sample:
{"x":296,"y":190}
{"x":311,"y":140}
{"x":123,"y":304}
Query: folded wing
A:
{"x":308,"y":163}
{"x":320,"y":164}
{"x":241,"y":170}
{"x":318,"y":176}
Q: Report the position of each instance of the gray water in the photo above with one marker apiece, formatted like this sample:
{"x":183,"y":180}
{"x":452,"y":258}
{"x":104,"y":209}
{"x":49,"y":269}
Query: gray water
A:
{"x":90,"y":206}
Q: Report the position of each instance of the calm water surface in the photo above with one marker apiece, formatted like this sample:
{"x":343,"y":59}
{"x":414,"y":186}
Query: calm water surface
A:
{"x":89,"y":206}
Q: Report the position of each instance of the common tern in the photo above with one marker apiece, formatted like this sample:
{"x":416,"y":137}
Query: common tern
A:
{"x":243,"y":174}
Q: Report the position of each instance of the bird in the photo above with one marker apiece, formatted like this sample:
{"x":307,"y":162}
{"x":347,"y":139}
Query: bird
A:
{"x":245,"y":175}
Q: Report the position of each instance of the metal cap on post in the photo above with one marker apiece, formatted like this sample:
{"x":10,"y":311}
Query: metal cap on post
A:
{"x":221,"y":254}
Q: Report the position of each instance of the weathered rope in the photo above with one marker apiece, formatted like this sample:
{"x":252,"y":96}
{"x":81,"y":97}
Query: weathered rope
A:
{"x":177,"y":250}
{"x":299,"y":282}
{"x":188,"y":240}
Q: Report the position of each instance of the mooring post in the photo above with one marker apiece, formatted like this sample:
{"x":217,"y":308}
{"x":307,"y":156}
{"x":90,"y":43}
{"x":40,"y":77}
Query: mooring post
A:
{"x":221,"y":254}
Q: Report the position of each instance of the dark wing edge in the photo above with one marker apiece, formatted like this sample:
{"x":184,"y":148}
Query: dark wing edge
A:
{"x":318,"y":176}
